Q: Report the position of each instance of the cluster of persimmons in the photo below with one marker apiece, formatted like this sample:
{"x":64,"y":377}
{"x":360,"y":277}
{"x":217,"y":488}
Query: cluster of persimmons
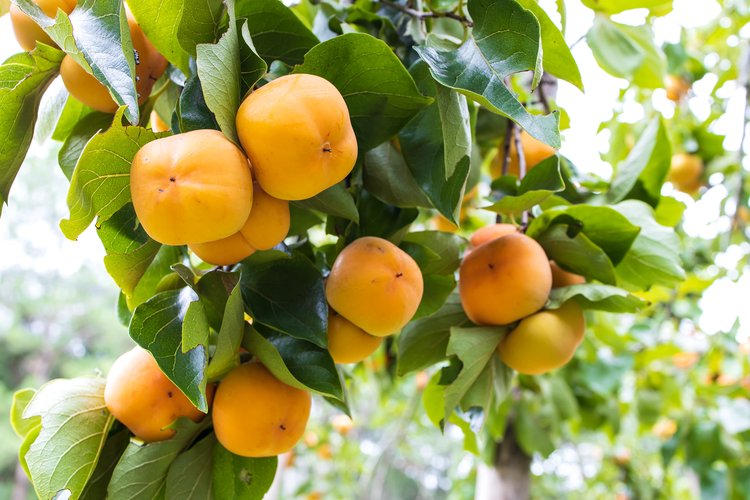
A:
{"x":226,"y":201}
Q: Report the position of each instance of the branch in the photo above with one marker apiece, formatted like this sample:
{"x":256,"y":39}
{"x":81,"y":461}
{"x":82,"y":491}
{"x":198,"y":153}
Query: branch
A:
{"x":521,"y":170}
{"x":506,"y":155}
{"x":418,"y":14}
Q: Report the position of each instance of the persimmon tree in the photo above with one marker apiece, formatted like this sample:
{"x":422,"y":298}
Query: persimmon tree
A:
{"x":440,"y":115}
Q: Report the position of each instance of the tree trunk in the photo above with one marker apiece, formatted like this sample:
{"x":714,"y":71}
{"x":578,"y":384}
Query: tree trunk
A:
{"x":509,"y":478}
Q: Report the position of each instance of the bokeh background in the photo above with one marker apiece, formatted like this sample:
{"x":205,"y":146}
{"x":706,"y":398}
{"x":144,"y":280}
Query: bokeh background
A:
{"x":58,"y":319}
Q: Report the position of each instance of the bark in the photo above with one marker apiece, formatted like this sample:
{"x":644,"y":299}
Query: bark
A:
{"x":509,"y":478}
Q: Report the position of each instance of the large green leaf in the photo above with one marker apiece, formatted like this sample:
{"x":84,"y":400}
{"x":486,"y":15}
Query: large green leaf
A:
{"x":474,"y":347}
{"x":423,"y":342}
{"x":189,"y":476}
{"x":23,"y":80}
{"x":200,"y":23}
{"x":436,"y":145}
{"x":599,"y":297}
{"x":379,"y":92}
{"x":642,"y":174}
{"x":295,"y":362}
{"x":276,"y":31}
{"x":75,"y":424}
{"x":97,"y":36}
{"x":627,"y":52}
{"x":387,"y":176}
{"x":142,"y":469}
{"x":604,"y":226}
{"x":130,"y":250}
{"x":506,"y":39}
{"x":117,"y":442}
{"x":226,"y":356}
{"x":219,"y":72}
{"x":157,"y":326}
{"x":446,"y":247}
{"x":577,"y":253}
{"x":654,"y":257}
{"x":336,"y":200}
{"x":192,"y":110}
{"x":100,"y":185}
{"x":286,"y":293}
{"x":160,"y":21}
{"x":22,"y":426}
{"x":241,"y":478}
{"x":252,"y":66}
{"x":557,"y":58}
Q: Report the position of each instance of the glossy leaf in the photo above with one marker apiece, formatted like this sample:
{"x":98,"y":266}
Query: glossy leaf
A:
{"x":506,"y":39}
{"x":74,"y":420}
{"x":336,"y":200}
{"x":276,"y":32}
{"x":286,"y":293}
{"x":157,"y":327}
{"x":241,"y":478}
{"x":226,"y":355}
{"x":97,"y":37}
{"x":295,"y":362}
{"x":387,"y":176}
{"x":100,"y":185}
{"x":599,"y":297}
{"x":189,"y":476}
{"x":538,"y":184}
{"x":219,"y":72}
{"x":114,"y":447}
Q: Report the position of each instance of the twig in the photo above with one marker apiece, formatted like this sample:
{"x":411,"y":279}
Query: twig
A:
{"x":580,"y":39}
{"x":546,"y":80}
{"x":521,"y":171}
{"x":506,"y":155}
{"x":418,"y":14}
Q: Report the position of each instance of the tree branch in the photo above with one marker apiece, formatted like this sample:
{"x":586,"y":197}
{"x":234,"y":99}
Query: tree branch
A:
{"x":521,"y":170}
{"x":421,"y":15}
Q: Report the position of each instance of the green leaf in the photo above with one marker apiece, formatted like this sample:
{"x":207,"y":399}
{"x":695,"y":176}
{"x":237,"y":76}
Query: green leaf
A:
{"x":149,"y":283}
{"x":160,"y":21}
{"x":157,"y":327}
{"x":437,"y":288}
{"x":75,"y":424}
{"x":627,"y":52}
{"x":219,"y":72}
{"x":642,"y":174}
{"x":252,"y":66}
{"x":599,"y":297}
{"x":557,"y":59}
{"x":445,"y":246}
{"x":436,"y":145}
{"x":379,"y":219}
{"x":286,"y":293}
{"x":474,"y":347}
{"x":577,"y":253}
{"x":189,"y":476}
{"x":114,"y":447}
{"x":423,"y":342}
{"x":387,"y":176}
{"x":130,"y":250}
{"x":192,"y":110}
{"x":23,"y":80}
{"x":50,"y":109}
{"x":379,"y":92}
{"x":195,"y":328}
{"x":73,"y":112}
{"x":100,"y":185}
{"x":336,"y":200}
{"x":79,"y":136}
{"x":531,"y":434}
{"x":654,"y":257}
{"x":226,"y":355}
{"x":22,"y":426}
{"x":241,"y":478}
{"x":537,"y":185}
{"x":142,"y":469}
{"x":200,"y":23}
{"x":506,"y":39}
{"x":97,"y":36}
{"x":604,"y":226}
{"x":669,"y":211}
{"x":295,"y":362}
{"x":276,"y":31}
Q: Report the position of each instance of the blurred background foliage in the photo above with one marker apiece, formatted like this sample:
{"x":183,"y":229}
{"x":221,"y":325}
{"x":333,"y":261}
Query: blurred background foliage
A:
{"x":653,"y":406}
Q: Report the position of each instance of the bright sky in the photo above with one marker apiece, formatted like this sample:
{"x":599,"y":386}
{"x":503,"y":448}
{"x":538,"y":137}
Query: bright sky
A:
{"x":721,"y":303}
